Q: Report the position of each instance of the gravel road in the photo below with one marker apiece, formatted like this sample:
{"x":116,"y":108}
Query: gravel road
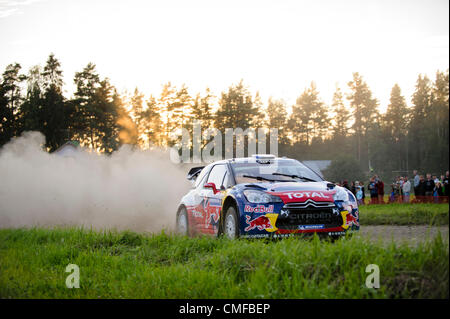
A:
{"x":411,"y":234}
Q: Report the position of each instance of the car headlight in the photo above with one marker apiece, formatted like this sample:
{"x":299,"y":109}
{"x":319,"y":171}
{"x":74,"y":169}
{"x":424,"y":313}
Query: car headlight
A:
{"x":341,"y":195}
{"x":259,"y":197}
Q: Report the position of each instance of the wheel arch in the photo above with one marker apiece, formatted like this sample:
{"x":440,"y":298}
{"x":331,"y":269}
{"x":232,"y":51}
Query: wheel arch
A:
{"x":230,"y":201}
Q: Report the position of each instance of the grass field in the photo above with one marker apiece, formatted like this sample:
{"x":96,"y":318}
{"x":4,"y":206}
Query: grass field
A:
{"x":404,"y":214}
{"x":130,"y":265}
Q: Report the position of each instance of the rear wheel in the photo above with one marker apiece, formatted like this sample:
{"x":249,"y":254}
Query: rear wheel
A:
{"x":182,"y":223}
{"x":230,"y":227}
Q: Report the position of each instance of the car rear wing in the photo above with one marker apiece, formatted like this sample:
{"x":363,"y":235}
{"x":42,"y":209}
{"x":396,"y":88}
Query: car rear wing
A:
{"x":193,"y":172}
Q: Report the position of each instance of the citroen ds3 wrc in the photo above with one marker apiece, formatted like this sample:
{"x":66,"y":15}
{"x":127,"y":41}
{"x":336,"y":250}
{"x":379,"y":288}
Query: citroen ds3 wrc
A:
{"x":264,"y":196}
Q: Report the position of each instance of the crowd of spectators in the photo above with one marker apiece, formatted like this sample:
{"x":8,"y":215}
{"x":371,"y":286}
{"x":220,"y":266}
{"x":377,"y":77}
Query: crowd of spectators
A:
{"x":425,"y":189}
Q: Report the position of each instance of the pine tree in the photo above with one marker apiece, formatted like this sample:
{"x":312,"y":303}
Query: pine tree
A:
{"x":277,"y":118}
{"x":365,"y":113}
{"x":421,"y":101}
{"x":394,"y":126}
{"x":10,"y":101}
{"x":55,"y":111}
{"x":342,"y":116}
{"x":153,"y":124}
{"x":236,"y":109}
{"x":309,"y":116}
{"x":137,"y":110}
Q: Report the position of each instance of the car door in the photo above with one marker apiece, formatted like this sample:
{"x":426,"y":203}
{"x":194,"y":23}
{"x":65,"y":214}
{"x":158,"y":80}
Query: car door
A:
{"x":196,"y":207}
{"x":213,"y":201}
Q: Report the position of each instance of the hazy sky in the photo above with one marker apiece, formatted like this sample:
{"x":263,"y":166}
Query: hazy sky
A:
{"x":277,"y":47}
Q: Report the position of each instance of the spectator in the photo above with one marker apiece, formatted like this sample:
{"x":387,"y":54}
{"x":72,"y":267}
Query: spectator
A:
{"x":373,"y":191}
{"x":392,"y":195}
{"x":361,"y":184}
{"x":435,"y":179}
{"x":421,"y":189}
{"x":396,"y":189}
{"x":380,"y":188}
{"x":353,"y":187}
{"x":406,"y":190}
{"x":446,"y":184}
{"x":416,"y":182}
{"x":429,"y":187}
{"x":438,"y":192}
{"x":345,"y":184}
{"x":400,"y":189}
{"x":359,"y":195}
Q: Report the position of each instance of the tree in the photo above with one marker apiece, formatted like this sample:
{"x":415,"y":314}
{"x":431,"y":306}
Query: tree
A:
{"x":10,"y":100}
{"x":126,"y":127}
{"x":421,"y":101}
{"x":365,"y":113}
{"x":277,"y":118}
{"x":55,"y":111}
{"x":309,"y":116}
{"x":137,"y":109}
{"x":342,"y":116}
{"x":152,"y":122}
{"x":438,"y":123}
{"x":202,"y":111}
{"x":165,"y":101}
{"x":236,"y":109}
{"x":97,"y":113}
{"x":31,"y":108}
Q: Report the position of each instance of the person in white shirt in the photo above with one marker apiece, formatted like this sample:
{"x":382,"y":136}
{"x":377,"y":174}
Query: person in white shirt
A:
{"x":416,"y":182}
{"x":406,"y":187}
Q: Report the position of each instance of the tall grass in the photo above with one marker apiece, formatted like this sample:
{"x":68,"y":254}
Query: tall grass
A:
{"x":129,"y":265}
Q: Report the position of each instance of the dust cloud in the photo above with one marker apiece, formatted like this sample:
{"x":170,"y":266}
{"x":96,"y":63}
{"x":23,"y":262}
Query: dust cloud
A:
{"x":130,"y":189}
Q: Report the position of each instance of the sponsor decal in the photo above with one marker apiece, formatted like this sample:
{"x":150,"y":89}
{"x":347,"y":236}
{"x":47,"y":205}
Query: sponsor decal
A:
{"x":348,"y":219}
{"x":214,"y":218}
{"x":256,"y":236}
{"x":292,"y":195}
{"x":306,"y":227}
{"x":258,"y":209}
{"x":197,"y":214}
{"x":263,"y":222}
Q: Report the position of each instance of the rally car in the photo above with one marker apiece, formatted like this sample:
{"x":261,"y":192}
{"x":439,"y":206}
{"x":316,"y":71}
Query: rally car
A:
{"x":264,"y":196}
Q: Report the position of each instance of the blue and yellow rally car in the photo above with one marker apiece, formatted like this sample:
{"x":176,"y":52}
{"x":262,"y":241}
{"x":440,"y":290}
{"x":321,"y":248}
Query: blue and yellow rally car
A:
{"x":264,"y":196}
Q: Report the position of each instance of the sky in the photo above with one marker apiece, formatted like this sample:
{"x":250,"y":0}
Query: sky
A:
{"x":277,"y":47}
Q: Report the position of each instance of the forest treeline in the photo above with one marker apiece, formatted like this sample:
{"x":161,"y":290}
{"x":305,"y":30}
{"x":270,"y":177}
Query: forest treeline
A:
{"x":409,"y":135}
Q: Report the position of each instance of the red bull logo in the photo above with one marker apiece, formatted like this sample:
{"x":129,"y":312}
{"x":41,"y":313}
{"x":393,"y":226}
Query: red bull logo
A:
{"x":352,"y":220}
{"x":258,"y":209}
{"x":260,"y":222}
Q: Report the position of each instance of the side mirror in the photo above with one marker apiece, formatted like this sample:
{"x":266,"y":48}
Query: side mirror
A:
{"x":212,"y":186}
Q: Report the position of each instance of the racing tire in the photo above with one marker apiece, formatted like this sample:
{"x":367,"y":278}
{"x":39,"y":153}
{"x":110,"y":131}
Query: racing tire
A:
{"x":182,"y":226}
{"x":230,"y":224}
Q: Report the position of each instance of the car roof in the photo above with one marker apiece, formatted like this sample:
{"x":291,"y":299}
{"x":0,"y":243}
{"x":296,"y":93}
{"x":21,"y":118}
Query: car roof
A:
{"x":246,"y":159}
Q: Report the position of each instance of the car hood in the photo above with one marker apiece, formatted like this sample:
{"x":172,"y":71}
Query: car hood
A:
{"x":298,"y":191}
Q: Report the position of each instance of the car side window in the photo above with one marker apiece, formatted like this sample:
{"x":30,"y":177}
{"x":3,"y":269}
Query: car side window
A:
{"x":226,"y":180}
{"x":217,"y":175}
{"x":201,"y":177}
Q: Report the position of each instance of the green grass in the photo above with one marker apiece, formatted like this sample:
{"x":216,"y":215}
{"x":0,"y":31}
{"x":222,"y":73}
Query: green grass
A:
{"x":404,"y":214}
{"x":130,"y":265}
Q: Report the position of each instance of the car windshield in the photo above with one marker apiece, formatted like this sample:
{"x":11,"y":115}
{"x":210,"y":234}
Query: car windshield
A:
{"x":277,"y":170}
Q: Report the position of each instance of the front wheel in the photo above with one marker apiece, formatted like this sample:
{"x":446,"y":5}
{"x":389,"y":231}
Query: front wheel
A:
{"x":231,"y":228}
{"x":182,"y":223}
